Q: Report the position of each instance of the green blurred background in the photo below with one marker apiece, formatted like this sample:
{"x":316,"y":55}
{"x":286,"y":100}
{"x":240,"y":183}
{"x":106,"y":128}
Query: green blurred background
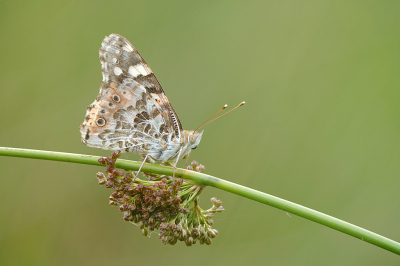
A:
{"x":320,"y":126}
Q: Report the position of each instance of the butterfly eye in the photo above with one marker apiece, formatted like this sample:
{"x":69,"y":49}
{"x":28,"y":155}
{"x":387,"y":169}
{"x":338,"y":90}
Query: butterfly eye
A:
{"x":101,"y":122}
{"x":116,"y":98}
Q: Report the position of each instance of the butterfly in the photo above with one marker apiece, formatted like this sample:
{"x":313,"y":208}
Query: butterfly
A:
{"x":132,"y":112}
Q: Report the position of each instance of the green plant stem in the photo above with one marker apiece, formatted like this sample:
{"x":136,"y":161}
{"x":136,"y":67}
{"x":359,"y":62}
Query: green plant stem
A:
{"x":207,"y":180}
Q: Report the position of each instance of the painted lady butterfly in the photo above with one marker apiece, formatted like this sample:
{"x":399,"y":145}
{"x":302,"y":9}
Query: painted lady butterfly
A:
{"x":132,"y":112}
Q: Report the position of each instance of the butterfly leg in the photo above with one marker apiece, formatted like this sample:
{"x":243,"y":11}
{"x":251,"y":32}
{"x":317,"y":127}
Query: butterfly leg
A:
{"x":177,"y":159}
{"x":138,"y":172}
{"x":187,"y":160}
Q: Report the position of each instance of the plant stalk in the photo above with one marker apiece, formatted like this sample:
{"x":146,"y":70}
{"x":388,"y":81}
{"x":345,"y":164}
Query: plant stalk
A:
{"x":207,"y":180}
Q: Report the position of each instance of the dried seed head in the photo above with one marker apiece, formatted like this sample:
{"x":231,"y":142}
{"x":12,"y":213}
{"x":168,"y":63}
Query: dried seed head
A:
{"x":156,"y":205}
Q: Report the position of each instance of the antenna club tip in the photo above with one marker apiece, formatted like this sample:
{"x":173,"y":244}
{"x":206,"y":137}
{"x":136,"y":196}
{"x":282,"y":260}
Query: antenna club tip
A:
{"x":242,"y":103}
{"x":225,"y":106}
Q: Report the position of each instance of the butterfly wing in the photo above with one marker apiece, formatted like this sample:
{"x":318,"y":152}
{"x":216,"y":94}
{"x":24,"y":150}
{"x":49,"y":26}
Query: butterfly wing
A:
{"x":131,"y":112}
{"x":120,"y":61}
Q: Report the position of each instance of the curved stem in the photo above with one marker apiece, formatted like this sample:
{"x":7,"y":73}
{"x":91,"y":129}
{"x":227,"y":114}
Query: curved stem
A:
{"x":207,"y":180}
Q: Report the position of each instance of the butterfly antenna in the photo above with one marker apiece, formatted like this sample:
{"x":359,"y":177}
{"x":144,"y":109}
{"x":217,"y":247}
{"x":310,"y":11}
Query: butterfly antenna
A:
{"x":204,"y":124}
{"x":211,"y":117}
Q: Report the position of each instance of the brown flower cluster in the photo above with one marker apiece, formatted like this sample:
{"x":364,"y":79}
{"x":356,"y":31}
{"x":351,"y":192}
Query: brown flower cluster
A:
{"x":161,"y":203}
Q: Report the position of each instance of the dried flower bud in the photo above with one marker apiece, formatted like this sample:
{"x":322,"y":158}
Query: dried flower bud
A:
{"x":109,"y":184}
{"x":200,"y":168}
{"x":115,"y":155}
{"x":123,"y":207}
{"x":212,"y":233}
{"x":100,"y":175}
{"x":189,"y":241}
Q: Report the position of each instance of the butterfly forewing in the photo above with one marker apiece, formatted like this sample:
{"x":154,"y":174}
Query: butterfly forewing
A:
{"x":131,"y":112}
{"x":120,"y":61}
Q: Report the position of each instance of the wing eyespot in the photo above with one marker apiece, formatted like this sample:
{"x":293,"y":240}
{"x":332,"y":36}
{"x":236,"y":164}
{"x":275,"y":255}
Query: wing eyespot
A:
{"x":101,"y":122}
{"x":116,"y":98}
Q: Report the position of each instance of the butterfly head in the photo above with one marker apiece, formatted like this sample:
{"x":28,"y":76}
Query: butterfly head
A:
{"x":190,"y":140}
{"x":194,"y":139}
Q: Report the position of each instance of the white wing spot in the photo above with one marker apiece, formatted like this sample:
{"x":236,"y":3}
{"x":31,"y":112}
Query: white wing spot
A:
{"x":104,"y":66}
{"x":127,"y":48}
{"x":117,"y":71}
{"x":105,"y":77}
{"x":133,"y":71}
{"x":114,"y":60}
{"x":141,"y":69}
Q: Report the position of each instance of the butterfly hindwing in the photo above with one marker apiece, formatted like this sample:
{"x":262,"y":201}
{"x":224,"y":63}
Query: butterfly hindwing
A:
{"x":125,"y":117}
